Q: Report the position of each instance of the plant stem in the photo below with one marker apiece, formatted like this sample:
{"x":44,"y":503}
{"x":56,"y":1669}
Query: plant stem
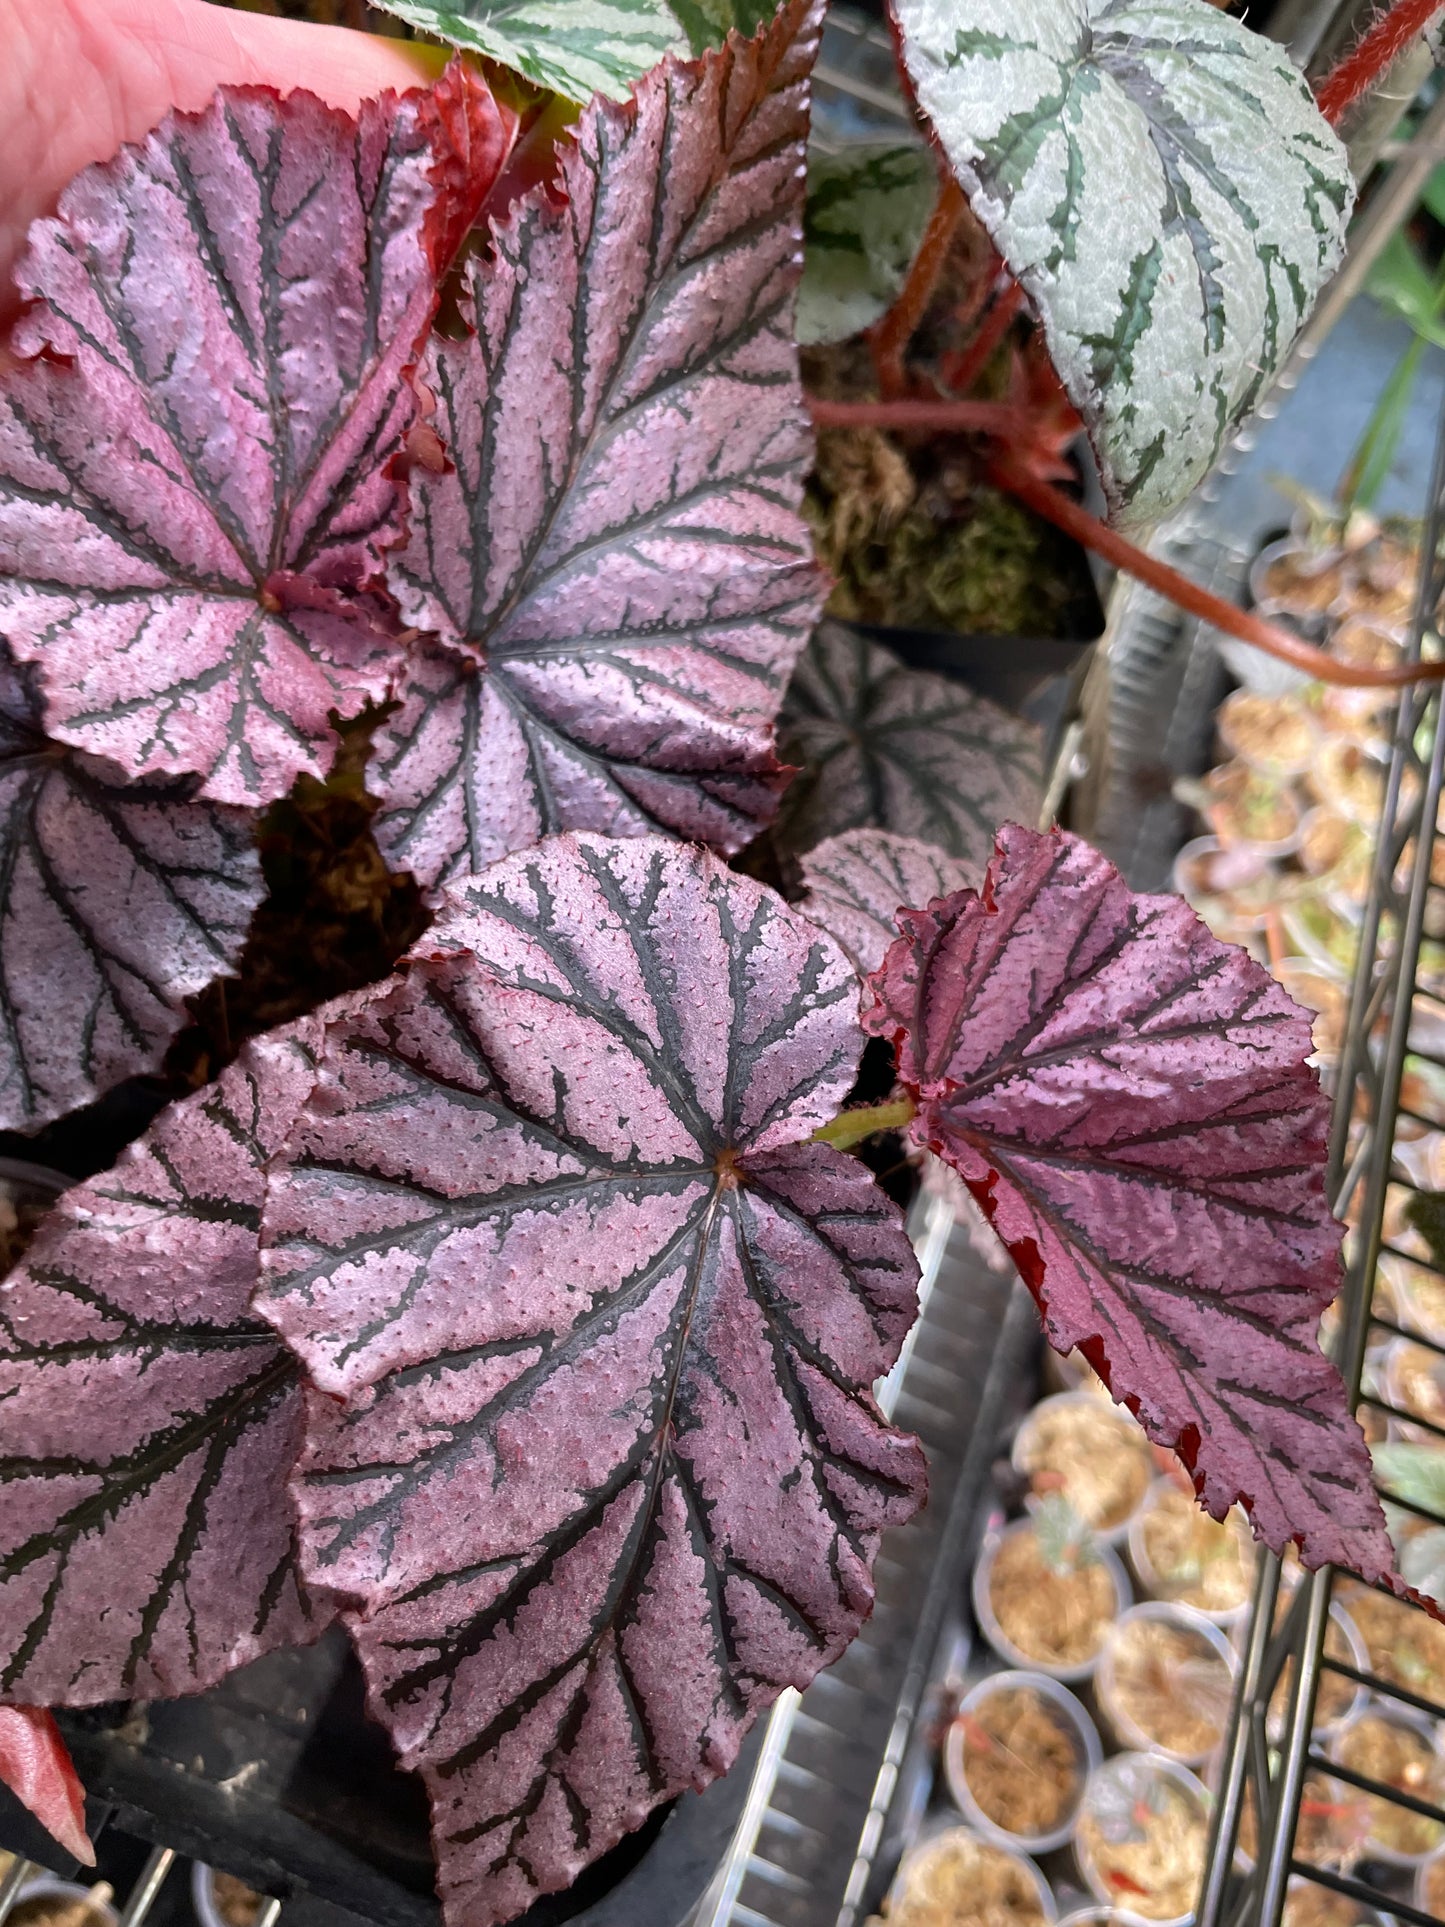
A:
{"x":867,"y":1120}
{"x":890,"y":338}
{"x":1076,"y":521}
{"x":1373,"y":54}
{"x":942,"y":417}
{"x":970,"y":364}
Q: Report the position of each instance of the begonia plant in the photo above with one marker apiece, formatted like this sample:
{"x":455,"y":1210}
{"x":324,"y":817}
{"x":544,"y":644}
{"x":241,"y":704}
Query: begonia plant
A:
{"x":521,"y":1311}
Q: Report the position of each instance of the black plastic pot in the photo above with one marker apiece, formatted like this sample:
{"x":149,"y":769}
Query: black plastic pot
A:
{"x":1034,"y":676}
{"x":277,"y":1776}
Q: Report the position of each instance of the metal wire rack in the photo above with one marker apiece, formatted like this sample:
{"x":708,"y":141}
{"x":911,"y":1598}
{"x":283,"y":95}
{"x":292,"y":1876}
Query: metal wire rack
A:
{"x":1396,"y":1020}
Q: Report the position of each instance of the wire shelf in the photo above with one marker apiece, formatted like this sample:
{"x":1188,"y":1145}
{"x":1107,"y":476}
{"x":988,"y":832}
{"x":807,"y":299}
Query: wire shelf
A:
{"x":1273,"y":1765}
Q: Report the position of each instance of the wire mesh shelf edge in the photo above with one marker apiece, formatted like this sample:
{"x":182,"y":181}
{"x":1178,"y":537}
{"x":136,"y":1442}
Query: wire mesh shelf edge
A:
{"x":1362,"y":1166}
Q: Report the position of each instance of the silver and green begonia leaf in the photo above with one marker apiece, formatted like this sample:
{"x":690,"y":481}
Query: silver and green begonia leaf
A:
{"x":1161,"y":182}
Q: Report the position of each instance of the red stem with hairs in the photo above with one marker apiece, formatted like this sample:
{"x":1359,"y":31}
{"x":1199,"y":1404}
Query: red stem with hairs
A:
{"x":1001,"y":418}
{"x":890,"y":338}
{"x":1044,"y":499}
{"x":1372,"y":56}
{"x":963,"y":370}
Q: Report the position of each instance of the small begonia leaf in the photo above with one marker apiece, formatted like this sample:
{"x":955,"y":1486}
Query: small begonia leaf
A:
{"x":891,"y":748}
{"x":117,"y":901}
{"x":1159,"y":179}
{"x":614,"y":566}
{"x":196,"y":439}
{"x":1130,"y":1102}
{"x":151,"y":1423}
{"x":596,"y":1325}
{"x":858,"y":882}
{"x":35,"y":1764}
{"x":868,"y":206}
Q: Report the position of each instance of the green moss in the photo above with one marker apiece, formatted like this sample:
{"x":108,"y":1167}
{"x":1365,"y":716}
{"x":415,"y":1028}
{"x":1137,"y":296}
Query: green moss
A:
{"x":989,"y":568}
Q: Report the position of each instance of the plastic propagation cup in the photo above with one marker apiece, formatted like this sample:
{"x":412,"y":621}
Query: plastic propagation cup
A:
{"x":1213,"y":1569}
{"x":31,"y":1902}
{"x":1181,"y":1660}
{"x":1308,"y":1904}
{"x":205,"y":1899}
{"x":1092,"y":1454}
{"x":966,"y":1731}
{"x":1141,"y":1838}
{"x":1416,"y":1753}
{"x":942,"y":1874}
{"x":1275,"y":735}
{"x":1097,"y":1574}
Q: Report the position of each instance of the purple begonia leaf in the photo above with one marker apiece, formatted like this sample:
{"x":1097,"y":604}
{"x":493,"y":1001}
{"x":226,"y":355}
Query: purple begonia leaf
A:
{"x":1129,"y":1101}
{"x":615,"y":567}
{"x":599,"y":1464}
{"x":196,"y":442}
{"x":886,"y":747}
{"x":151,"y":1423}
{"x":858,"y":882}
{"x":116,"y":903}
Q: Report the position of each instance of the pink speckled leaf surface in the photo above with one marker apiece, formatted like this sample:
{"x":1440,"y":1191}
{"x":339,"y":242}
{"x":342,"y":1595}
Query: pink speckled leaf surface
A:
{"x":615,"y":568}
{"x":594,"y":1326}
{"x":195,"y":441}
{"x":1129,"y":1100}
{"x":148,"y":1424}
{"x":117,"y":902}
{"x":859,"y":881}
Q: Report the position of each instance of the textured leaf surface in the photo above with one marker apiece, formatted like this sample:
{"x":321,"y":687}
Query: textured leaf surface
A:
{"x":858,"y":882}
{"x":867,"y":208}
{"x":618,"y":545}
{"x":608,"y":1474}
{"x":575,"y":47}
{"x":1129,"y":1101}
{"x":194,"y":448}
{"x":1160,"y":180}
{"x":886,"y":747}
{"x":36,"y":1766}
{"x":150,"y":1423}
{"x":116,"y":903}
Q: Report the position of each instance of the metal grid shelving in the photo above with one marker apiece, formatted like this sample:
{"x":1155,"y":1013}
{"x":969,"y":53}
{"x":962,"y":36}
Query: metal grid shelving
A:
{"x":1395,"y":1018}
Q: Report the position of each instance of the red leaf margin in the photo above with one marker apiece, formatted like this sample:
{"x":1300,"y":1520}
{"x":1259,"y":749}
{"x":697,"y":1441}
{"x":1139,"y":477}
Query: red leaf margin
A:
{"x":1129,"y":1101}
{"x":36,"y":1766}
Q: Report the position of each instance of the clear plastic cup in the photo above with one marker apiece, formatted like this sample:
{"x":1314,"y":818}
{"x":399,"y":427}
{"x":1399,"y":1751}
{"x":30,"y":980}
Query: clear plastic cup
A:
{"x":1139,"y":1811}
{"x":1065,"y":1665}
{"x":1219,"y":1579}
{"x":1382,"y":1812}
{"x":946,"y":1866}
{"x":1275,"y":735}
{"x":1070,"y":1714}
{"x":203,"y":1896}
{"x":1201,"y":1682}
{"x":46,"y":1887}
{"x":1308,"y":1904}
{"x":1095,"y":1455}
